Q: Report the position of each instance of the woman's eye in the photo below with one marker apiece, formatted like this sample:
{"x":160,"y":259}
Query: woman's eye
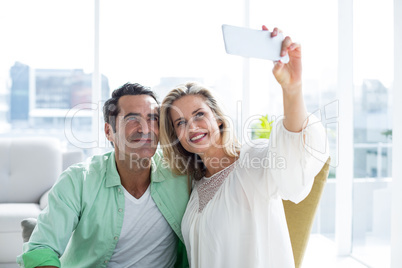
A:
{"x":199,"y":114}
{"x":180,"y":123}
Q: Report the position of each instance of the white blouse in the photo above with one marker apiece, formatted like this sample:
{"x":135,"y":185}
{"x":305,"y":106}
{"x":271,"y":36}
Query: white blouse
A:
{"x":236,"y":219}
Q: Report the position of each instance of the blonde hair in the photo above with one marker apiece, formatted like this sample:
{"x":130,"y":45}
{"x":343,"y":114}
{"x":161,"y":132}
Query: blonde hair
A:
{"x":179,"y":159}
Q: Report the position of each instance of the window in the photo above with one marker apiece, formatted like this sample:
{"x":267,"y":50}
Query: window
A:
{"x":373,"y":84}
{"x":316,"y":30}
{"x":46,"y":66}
{"x":165,"y":43}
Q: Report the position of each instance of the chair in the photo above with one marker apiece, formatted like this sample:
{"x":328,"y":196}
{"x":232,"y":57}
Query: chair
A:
{"x":300,"y":217}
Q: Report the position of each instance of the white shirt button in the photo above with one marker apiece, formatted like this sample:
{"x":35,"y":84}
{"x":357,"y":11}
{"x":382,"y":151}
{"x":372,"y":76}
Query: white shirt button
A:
{"x":106,"y":261}
{"x":120,"y":209}
{"x":115,"y":238}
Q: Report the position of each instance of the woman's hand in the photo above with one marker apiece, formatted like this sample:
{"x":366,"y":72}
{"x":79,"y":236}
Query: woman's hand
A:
{"x":288,"y":75}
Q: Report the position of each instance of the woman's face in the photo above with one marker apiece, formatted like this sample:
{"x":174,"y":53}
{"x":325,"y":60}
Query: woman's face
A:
{"x":195,"y":124}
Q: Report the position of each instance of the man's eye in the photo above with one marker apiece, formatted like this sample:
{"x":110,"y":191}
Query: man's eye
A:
{"x":154,"y":118}
{"x":132,"y":118}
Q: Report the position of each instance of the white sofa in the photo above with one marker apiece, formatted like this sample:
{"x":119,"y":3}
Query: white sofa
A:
{"x":28,"y":169}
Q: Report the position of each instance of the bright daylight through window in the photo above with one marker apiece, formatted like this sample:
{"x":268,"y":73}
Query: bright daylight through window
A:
{"x":48,"y":61}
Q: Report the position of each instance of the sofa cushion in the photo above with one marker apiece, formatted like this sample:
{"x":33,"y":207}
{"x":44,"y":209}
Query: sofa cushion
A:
{"x":11,"y":215}
{"x":29,"y":167}
{"x":72,"y":157}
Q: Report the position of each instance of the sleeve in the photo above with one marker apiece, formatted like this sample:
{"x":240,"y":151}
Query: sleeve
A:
{"x":302,"y":155}
{"x":55,"y":225}
{"x":181,"y":261}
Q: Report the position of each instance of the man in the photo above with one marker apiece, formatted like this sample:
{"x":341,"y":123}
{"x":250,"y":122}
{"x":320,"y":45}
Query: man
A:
{"x":120,"y":209}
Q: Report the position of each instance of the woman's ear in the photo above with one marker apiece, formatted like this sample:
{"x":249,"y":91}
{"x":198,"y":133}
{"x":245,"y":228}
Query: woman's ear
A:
{"x":220,"y":123}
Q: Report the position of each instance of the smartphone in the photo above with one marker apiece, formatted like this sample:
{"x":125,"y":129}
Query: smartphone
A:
{"x":253,"y":43}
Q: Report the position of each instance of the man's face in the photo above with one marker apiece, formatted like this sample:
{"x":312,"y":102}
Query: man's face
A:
{"x":137,"y":127}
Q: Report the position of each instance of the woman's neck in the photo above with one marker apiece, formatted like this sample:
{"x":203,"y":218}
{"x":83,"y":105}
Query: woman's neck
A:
{"x":216,"y":161}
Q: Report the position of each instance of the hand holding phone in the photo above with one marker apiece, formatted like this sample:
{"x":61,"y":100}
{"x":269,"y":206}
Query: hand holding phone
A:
{"x":252,"y":43}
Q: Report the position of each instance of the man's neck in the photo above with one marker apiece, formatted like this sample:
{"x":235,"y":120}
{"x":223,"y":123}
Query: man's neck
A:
{"x":134,"y":178}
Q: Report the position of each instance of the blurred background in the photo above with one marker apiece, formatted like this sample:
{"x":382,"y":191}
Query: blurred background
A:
{"x":60,"y":60}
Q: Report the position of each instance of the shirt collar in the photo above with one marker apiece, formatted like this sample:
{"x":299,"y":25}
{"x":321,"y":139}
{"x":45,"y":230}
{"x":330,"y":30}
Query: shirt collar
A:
{"x":156,"y":174}
{"x":113,"y":177}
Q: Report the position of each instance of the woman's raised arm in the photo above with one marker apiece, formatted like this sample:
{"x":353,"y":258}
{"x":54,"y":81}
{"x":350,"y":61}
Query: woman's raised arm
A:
{"x":289,"y":76}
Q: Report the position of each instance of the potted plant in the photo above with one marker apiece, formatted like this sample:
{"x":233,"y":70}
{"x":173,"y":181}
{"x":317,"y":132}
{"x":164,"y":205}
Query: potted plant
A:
{"x":262,"y":129}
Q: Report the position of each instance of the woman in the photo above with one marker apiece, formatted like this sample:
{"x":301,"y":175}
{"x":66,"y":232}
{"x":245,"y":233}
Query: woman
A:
{"x":235,"y":216}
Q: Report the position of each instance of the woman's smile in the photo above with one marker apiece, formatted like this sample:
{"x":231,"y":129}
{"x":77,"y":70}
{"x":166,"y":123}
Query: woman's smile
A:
{"x":197,"y":137}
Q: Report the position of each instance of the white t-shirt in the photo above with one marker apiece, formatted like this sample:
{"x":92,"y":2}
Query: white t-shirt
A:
{"x":146,"y":238}
{"x":236,"y":218}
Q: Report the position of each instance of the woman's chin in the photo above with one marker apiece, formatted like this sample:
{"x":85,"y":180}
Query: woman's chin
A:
{"x":199,"y":148}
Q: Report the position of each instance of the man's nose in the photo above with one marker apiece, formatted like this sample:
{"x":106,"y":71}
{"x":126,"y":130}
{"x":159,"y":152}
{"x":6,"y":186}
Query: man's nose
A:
{"x":144,"y":128}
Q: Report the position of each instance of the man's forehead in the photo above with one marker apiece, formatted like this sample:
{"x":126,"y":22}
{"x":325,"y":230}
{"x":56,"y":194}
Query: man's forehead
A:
{"x":138,"y":103}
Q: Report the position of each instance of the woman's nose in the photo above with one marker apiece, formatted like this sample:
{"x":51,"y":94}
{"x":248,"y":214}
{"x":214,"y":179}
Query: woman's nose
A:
{"x":192,"y":125}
